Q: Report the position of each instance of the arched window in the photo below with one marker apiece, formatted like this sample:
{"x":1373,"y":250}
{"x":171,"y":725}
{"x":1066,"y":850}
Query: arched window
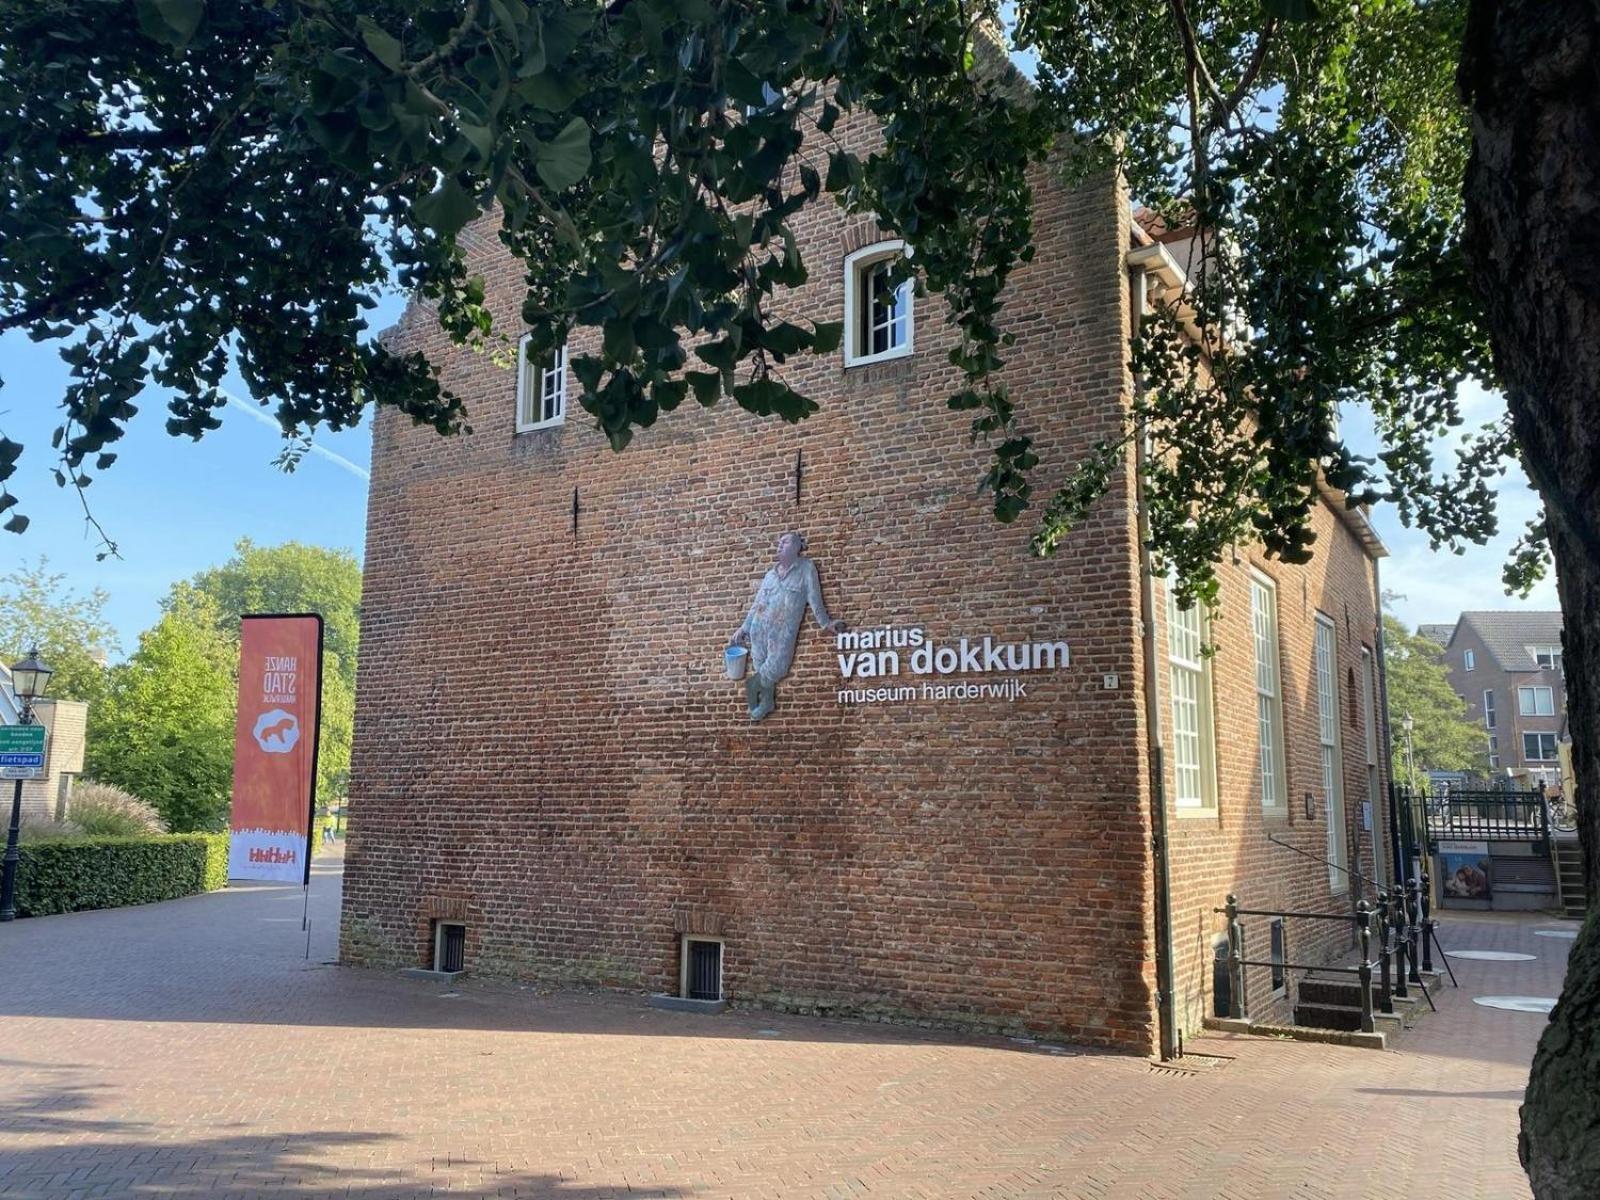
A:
{"x":877,"y":309}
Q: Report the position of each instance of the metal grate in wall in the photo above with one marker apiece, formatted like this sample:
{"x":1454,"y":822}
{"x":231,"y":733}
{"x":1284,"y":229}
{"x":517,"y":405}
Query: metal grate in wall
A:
{"x":450,"y":947}
{"x":705,"y":970}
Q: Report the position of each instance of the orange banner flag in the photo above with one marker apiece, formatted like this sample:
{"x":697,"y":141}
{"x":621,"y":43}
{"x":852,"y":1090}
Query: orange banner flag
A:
{"x":275,"y":747}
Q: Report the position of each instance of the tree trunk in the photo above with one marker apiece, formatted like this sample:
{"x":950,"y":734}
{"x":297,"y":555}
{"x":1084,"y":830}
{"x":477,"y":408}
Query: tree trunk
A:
{"x":1531,"y":73}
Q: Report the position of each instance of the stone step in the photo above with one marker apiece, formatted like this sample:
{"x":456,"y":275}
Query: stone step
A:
{"x":1325,"y":989}
{"x":1327,"y":1016}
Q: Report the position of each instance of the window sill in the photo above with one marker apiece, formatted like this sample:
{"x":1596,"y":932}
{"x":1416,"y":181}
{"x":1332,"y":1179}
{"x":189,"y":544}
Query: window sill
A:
{"x":541,"y":426}
{"x":872,"y":360}
{"x":1191,"y":813}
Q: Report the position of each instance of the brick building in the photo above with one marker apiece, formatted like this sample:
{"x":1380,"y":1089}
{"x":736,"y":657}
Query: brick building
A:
{"x":1507,"y":666}
{"x":549,"y":753}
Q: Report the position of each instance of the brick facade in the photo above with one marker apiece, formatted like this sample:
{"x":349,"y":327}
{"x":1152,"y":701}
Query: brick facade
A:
{"x":1500,"y":667}
{"x":546,"y":746}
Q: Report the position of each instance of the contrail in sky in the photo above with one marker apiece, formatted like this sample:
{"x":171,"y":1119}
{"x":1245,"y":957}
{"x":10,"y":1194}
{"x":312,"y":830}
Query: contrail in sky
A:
{"x":254,"y":411}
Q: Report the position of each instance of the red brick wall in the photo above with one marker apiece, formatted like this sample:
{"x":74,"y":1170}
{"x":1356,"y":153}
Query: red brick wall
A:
{"x":1229,"y":849}
{"x":545,"y":740}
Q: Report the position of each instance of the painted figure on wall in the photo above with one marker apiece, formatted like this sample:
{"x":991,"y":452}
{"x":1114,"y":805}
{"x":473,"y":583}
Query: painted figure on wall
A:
{"x":773,"y":625}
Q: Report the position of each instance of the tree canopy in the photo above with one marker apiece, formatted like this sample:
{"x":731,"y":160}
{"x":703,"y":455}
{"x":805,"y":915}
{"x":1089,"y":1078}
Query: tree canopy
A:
{"x":196,"y":182}
{"x":1442,"y":738}
{"x":70,"y":629}
{"x":164,"y":728}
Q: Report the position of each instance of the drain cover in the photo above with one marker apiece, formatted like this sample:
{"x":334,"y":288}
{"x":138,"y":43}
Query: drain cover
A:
{"x":1527,"y":1004}
{"x":1492,"y":955}
{"x":1569,"y":934}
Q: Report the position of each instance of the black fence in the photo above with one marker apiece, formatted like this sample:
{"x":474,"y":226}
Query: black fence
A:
{"x":1476,"y":815}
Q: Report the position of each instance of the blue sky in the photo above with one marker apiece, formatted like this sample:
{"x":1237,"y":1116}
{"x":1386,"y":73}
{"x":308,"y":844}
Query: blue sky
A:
{"x":175,"y":507}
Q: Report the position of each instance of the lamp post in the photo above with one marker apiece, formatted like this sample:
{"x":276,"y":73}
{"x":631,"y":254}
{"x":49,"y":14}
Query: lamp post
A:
{"x":1407,"y":724}
{"x":28,"y":679}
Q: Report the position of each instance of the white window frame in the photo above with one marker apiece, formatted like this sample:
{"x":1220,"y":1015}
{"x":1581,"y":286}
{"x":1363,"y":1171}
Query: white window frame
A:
{"x":1555,"y":751}
{"x":1194,"y":742}
{"x":1553,"y":653}
{"x":1488,"y":708}
{"x":1469,"y":661}
{"x":1369,"y":706}
{"x":1528,"y":699}
{"x":859,"y":277}
{"x":551,"y":385}
{"x":1326,"y":654}
{"x":1272,"y":773}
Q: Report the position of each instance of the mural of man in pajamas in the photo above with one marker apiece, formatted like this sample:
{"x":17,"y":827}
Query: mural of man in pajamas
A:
{"x":771,"y":629}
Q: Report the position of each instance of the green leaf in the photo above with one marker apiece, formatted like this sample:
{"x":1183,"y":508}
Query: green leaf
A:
{"x":707,"y":386}
{"x":826,"y":336}
{"x":17,"y":523}
{"x":171,"y":21}
{"x":564,"y":160}
{"x":385,"y":47}
{"x":448,"y":209}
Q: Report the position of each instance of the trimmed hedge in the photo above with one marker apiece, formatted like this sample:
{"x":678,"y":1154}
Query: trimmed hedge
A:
{"x":108,"y":872}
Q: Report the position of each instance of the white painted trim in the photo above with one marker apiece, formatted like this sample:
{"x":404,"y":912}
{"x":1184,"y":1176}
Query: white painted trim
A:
{"x":523,"y":376}
{"x":854,"y":262}
{"x":683,"y":961}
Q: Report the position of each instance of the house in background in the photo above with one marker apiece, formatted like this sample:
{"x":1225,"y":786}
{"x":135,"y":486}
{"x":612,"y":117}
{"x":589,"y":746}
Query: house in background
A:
{"x":1507,"y":666}
{"x":65,"y":722}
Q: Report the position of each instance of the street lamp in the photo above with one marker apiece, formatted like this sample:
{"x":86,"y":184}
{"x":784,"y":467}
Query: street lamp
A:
{"x":1407,"y":724}
{"x":29,"y":678}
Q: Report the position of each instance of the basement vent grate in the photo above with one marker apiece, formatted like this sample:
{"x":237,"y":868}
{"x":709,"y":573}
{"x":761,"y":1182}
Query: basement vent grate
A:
{"x":702,"y":969}
{"x":449,"y":946}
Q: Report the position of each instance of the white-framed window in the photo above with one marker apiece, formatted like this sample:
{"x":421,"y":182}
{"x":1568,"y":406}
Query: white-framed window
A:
{"x":1193,"y":732}
{"x":1369,"y":706}
{"x":541,"y":389}
{"x":878,"y":323}
{"x":1269,"y":694}
{"x":1539,"y":747}
{"x":1488,"y":710}
{"x":1468,"y":661}
{"x":1548,"y":657}
{"x":1332,"y":759}
{"x":1536,"y":701}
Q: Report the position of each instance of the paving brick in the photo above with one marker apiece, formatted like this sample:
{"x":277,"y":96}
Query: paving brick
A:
{"x":190,"y":1050}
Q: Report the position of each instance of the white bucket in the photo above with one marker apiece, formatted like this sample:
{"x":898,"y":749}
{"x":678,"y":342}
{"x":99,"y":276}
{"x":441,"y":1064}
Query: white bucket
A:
{"x":735,"y":661}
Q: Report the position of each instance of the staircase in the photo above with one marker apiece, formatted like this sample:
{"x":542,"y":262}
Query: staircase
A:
{"x":1569,"y":876}
{"x":1328,"y":1002}
{"x":1334,"y":1002}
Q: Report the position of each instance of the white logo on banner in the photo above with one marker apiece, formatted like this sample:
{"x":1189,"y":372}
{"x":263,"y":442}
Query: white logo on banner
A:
{"x":277,"y":731}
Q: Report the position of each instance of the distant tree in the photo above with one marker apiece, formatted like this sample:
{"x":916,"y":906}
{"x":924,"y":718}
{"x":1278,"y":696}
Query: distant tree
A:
{"x":294,"y":578}
{"x":70,"y":629}
{"x":164,"y":728}
{"x":1442,"y":737}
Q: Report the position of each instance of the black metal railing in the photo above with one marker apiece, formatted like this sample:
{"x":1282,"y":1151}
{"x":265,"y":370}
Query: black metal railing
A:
{"x":1398,"y":925}
{"x":1472,"y":814}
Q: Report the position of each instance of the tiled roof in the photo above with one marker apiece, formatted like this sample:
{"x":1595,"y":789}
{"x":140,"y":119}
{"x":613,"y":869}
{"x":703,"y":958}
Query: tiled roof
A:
{"x":1438,"y":632}
{"x":1507,"y":635}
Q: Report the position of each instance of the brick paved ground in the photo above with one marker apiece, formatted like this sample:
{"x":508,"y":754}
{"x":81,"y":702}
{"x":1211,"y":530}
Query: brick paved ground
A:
{"x":189,"y":1049}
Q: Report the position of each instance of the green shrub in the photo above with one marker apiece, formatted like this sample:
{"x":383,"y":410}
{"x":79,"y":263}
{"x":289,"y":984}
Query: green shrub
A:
{"x":107,"y":872}
{"x":105,"y":810}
